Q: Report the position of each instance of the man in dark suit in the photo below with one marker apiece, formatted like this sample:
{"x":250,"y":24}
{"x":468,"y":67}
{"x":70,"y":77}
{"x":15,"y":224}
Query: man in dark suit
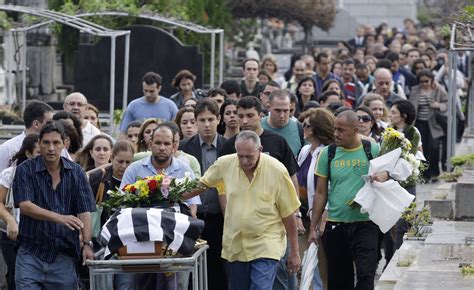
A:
{"x":359,"y":39}
{"x":204,"y":146}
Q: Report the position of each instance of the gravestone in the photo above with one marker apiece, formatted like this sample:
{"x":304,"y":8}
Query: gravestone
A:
{"x":151,"y":49}
{"x":464,"y":202}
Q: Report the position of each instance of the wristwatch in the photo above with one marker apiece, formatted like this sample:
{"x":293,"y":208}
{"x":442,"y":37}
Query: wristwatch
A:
{"x":89,"y":243}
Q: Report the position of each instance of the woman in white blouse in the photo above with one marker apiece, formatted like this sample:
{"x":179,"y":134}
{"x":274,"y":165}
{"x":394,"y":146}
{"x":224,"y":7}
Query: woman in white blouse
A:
{"x":318,"y":129}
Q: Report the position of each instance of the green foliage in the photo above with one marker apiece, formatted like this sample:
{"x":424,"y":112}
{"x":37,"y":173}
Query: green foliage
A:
{"x":452,"y":176}
{"x":445,"y":30}
{"x":424,"y":15}
{"x":212,"y":13}
{"x":467,"y":270}
{"x":243,"y":31}
{"x":460,"y":160}
{"x":406,"y":262}
{"x":467,"y":14}
{"x":118,"y":115}
{"x":5,"y":21}
{"x":417,"y":220}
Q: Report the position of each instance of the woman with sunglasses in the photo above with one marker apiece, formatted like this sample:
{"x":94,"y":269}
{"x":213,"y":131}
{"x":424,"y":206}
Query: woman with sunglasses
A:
{"x":431,"y":103}
{"x":368,"y":126}
{"x":318,"y":130}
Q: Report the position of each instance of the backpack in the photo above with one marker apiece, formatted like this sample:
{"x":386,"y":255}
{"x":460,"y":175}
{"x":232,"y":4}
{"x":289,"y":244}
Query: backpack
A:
{"x":366,"y":144}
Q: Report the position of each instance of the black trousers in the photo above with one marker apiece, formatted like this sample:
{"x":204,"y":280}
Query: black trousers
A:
{"x":393,"y":239}
{"x":212,"y":233}
{"x":347,"y":244}
{"x":430,"y":149}
{"x":9,"y":250}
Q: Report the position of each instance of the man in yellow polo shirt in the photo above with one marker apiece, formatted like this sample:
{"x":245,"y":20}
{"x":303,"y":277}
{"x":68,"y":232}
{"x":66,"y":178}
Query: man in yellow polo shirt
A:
{"x":261,"y":201}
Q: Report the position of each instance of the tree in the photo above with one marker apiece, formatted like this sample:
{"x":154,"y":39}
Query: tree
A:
{"x":213,"y":13}
{"x":308,"y":13}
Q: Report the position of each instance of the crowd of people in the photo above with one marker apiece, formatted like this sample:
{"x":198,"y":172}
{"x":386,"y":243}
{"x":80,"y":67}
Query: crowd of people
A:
{"x":302,"y":141}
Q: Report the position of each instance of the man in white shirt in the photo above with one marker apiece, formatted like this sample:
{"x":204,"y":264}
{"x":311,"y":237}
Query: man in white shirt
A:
{"x":76,"y":104}
{"x":36,"y":114}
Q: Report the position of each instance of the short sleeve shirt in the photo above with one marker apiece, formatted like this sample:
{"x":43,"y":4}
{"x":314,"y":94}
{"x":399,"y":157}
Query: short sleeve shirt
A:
{"x":140,"y":109}
{"x":253,"y":226}
{"x":347,"y":169}
{"x":72,"y":196}
{"x":144,"y":168}
{"x":290,"y":132}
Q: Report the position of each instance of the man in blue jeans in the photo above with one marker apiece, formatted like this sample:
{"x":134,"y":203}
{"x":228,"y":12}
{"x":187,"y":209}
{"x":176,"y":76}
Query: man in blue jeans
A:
{"x":260,"y":203}
{"x":55,"y":201}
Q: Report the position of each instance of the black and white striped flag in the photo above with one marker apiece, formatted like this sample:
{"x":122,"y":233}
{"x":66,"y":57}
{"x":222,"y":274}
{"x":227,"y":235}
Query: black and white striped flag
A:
{"x":130,"y":225}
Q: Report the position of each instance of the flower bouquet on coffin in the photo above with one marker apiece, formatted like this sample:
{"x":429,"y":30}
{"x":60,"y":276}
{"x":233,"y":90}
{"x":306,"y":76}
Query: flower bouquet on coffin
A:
{"x":385,"y":202}
{"x":141,"y":225}
{"x":153,"y":191}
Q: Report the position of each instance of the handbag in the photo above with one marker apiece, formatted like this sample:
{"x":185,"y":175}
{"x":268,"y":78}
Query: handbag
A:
{"x":442,"y":120}
{"x":96,"y":215}
{"x":9,"y":202}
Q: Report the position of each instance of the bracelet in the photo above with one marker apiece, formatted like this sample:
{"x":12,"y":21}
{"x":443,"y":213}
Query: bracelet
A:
{"x":89,"y":243}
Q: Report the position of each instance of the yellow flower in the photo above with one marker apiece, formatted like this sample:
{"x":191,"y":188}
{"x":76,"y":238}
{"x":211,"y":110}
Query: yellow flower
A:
{"x":144,"y":191}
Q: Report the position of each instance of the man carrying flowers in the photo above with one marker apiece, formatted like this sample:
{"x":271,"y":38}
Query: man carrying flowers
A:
{"x":349,"y":237}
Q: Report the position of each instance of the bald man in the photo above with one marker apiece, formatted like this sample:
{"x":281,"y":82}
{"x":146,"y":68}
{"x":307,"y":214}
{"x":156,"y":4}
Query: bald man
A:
{"x":349,"y":236}
{"x":76,"y":104}
{"x":383,"y":85}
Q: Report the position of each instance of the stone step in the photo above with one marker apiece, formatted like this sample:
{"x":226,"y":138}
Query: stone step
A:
{"x":441,"y":202}
{"x":394,"y":273}
{"x":441,"y":208}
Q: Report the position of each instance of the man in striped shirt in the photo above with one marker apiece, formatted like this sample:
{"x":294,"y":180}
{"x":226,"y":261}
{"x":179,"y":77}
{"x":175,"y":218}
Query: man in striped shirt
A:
{"x":55,"y":201}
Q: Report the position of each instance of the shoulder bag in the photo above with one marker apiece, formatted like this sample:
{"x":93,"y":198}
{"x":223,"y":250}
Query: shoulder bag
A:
{"x":96,"y":215}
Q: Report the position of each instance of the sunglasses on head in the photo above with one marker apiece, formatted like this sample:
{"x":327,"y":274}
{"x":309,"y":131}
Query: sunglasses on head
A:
{"x":365,"y":118}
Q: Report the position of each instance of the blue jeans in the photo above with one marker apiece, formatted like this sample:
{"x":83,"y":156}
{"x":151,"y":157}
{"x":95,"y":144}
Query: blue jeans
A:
{"x":284,"y":280}
{"x":258,"y":274}
{"x":31,"y":273}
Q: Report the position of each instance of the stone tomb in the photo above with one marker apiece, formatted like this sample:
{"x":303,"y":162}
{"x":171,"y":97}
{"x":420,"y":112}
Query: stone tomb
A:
{"x":464,"y":202}
{"x":151,"y":49}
